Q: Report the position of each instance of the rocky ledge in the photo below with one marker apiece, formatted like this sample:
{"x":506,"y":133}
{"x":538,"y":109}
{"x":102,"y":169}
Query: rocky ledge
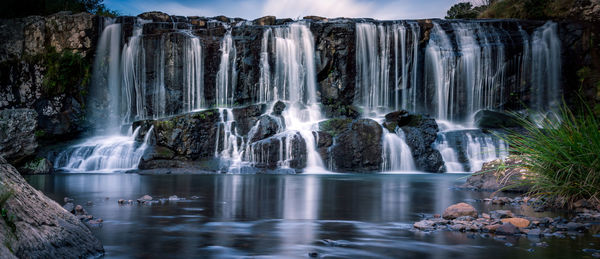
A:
{"x":34,"y":226}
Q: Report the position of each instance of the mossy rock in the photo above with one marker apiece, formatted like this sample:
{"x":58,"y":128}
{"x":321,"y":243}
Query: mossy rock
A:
{"x":335,"y":126}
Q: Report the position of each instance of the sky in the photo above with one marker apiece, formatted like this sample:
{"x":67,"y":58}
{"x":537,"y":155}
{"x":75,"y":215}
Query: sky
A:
{"x":251,"y":9}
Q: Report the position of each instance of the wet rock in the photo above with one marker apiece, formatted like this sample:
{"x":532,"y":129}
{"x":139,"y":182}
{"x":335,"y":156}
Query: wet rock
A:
{"x":246,"y":117}
{"x":397,"y":119}
{"x":190,"y":135}
{"x":517,"y":222}
{"x":267,"y":126}
{"x":278,"y":108}
{"x":534,"y":232}
{"x":501,"y":200}
{"x":144,"y":198}
{"x":574,"y":226}
{"x":421,"y":133}
{"x":495,"y":120}
{"x":507,"y":229}
{"x":500,"y":214}
{"x":121,"y":201}
{"x":266,"y":153}
{"x":313,"y":254}
{"x":358,"y":149}
{"x":459,"y":210}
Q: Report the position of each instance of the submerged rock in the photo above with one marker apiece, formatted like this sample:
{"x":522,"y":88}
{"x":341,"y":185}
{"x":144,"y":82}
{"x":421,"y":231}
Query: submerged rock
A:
{"x":38,"y":227}
{"x":459,"y":210}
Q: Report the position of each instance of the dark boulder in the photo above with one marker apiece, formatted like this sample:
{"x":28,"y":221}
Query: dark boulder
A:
{"x":38,"y":226}
{"x":495,"y":120}
{"x":421,"y":133}
{"x":358,"y":149}
{"x":191,"y":136}
{"x":278,"y":108}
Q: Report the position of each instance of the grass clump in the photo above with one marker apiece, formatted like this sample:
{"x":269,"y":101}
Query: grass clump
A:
{"x":562,"y":155}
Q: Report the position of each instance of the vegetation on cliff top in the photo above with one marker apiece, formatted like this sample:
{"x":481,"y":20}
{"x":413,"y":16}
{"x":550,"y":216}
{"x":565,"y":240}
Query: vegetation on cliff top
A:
{"x":22,"y":8}
{"x":520,"y":9}
{"x":562,"y":154}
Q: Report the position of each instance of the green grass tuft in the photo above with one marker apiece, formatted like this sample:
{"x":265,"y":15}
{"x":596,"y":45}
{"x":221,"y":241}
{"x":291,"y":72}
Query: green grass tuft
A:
{"x":561,"y":154}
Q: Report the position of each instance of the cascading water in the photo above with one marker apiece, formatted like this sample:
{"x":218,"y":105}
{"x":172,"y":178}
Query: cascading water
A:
{"x":226,"y":77}
{"x":100,"y":154}
{"x":121,"y":80}
{"x":467,"y":150}
{"x":376,"y":91}
{"x":396,"y":153}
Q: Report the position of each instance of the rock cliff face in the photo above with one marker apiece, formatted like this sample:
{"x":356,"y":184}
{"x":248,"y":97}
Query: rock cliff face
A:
{"x":33,"y":226}
{"x":36,"y":55}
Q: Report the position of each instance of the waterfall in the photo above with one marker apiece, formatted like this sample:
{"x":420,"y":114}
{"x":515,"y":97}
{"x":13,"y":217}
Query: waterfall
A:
{"x":396,"y":153}
{"x":106,"y":79}
{"x":376,"y":46}
{"x":546,"y":68}
{"x":226,"y":77}
{"x":123,"y":91}
{"x":264,"y":92}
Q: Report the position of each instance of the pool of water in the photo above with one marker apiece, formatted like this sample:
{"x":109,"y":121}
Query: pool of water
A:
{"x":288,"y":216}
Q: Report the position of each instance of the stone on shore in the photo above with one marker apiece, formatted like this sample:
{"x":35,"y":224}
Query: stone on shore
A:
{"x":459,"y":210}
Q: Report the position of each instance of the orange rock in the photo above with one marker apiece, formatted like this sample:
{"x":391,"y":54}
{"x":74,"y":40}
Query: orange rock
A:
{"x":459,"y":210}
{"x":517,"y":222}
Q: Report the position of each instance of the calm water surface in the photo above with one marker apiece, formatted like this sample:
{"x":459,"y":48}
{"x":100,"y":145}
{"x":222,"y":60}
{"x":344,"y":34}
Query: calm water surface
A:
{"x":287,"y":216}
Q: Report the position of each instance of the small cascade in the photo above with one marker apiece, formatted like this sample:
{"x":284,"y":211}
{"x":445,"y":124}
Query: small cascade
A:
{"x":546,"y":68}
{"x":396,"y":153}
{"x":193,"y":74}
{"x":230,"y":152}
{"x":467,"y":150}
{"x":100,"y":154}
{"x":227,"y":76}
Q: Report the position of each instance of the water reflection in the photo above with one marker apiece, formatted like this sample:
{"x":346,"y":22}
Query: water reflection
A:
{"x":337,"y":216}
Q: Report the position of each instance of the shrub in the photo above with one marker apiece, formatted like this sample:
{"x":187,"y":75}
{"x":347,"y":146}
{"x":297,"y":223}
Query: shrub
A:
{"x":561,"y":154}
{"x":64,"y":71}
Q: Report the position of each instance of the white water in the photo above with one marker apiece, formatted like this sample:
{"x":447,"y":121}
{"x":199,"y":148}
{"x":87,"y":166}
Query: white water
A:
{"x":104,"y":154}
{"x":376,"y":46}
{"x":122,"y":70}
{"x":227,"y":76}
{"x":396,"y":153}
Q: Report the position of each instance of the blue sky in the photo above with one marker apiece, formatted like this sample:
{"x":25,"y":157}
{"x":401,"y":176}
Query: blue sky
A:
{"x":250,"y":9}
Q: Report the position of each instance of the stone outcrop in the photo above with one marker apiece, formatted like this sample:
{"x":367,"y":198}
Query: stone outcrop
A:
{"x":37,"y":227}
{"x":506,"y":175}
{"x":18,"y":134}
{"x":32,"y":50}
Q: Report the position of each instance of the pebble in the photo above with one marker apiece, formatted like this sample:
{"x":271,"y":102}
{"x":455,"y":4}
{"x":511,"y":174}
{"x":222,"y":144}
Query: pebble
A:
{"x":121,"y":201}
{"x":313,"y":254}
